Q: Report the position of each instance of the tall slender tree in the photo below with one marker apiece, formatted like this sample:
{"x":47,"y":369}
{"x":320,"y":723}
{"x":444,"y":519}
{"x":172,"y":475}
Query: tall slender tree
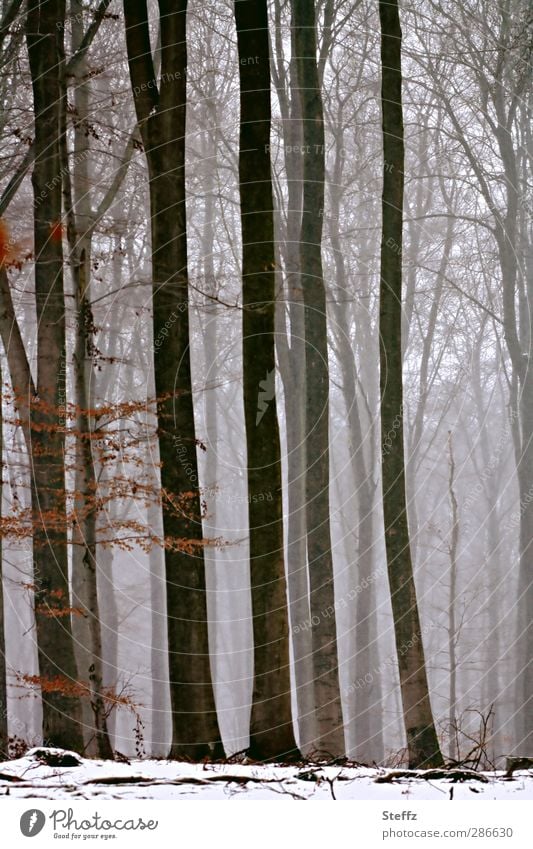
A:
{"x":271,"y":733}
{"x":290,"y":344}
{"x":422,"y":742}
{"x":161,"y":111}
{"x":80,"y":225}
{"x":57,"y":667}
{"x":329,"y":721}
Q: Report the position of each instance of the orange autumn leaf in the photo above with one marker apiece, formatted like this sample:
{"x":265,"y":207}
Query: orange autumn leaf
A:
{"x":5,"y":243}
{"x":56,"y":231}
{"x":11,"y":252}
{"x":55,"y":684}
{"x":58,"y":612}
{"x":81,"y":689}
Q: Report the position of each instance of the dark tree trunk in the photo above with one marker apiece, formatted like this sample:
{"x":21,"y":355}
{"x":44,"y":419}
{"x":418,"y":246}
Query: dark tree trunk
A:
{"x":329,"y":721}
{"x":271,"y":733}
{"x":423,"y":745}
{"x":161,"y":111}
{"x":57,"y":668}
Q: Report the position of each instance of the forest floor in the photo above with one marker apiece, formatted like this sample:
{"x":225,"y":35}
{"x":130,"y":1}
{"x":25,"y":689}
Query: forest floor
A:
{"x":54,"y":774}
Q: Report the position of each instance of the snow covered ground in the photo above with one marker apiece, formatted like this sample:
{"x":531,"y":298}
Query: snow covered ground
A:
{"x":37,"y":775}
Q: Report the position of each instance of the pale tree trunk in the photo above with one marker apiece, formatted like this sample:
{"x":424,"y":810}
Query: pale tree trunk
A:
{"x":524,"y":690}
{"x":271,"y":731}
{"x":364,"y":717}
{"x":109,"y":628}
{"x":159,"y":646}
{"x":161,"y":113}
{"x":422,"y":742}
{"x":17,"y":360}
{"x":290,"y":343}
{"x":23,"y":390}
{"x":452,"y":601}
{"x":419,"y":207}
{"x":57,"y":667}
{"x":525,"y":472}
{"x":159,"y":668}
{"x":494,"y":613}
{"x":160,"y":708}
{"x":104,"y":552}
{"x":225,"y":662}
{"x":328,"y":709}
{"x":86,"y":619}
{"x":425,"y":380}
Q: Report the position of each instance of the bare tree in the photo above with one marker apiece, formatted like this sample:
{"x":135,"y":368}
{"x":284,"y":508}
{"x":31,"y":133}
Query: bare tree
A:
{"x":57,"y":667}
{"x":271,"y":733}
{"x":161,"y":109}
{"x":328,"y":708}
{"x":80,"y":227}
{"x":423,"y":746}
{"x":290,"y":344}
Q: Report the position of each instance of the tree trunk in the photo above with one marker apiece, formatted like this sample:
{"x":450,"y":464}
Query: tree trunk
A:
{"x":495,"y":688}
{"x":329,"y":722}
{"x":161,"y":113}
{"x":414,"y":453}
{"x":57,"y":668}
{"x":366,"y":704}
{"x":109,"y":627}
{"x":86,"y":625}
{"x":223,"y":660}
{"x":524,"y":648}
{"x":452,"y":601}
{"x":519,"y":340}
{"x":524,"y":692}
{"x":365,"y":715}
{"x":290,"y":343}
{"x":271,"y":732}
{"x":422,"y":742}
